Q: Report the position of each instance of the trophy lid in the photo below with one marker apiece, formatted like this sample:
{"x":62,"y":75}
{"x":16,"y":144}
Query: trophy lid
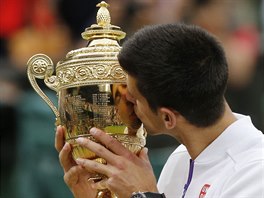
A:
{"x":103,"y":28}
{"x":97,"y":62}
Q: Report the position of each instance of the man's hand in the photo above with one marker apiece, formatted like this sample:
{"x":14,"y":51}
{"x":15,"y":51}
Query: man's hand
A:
{"x":126,"y":172}
{"x":75,"y":176}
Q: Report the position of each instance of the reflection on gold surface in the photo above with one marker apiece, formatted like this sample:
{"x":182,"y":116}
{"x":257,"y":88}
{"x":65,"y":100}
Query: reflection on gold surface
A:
{"x":103,"y":106}
{"x":125,"y":109}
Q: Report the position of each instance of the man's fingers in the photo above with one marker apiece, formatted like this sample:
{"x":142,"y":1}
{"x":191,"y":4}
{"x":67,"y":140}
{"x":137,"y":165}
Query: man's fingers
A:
{"x":101,"y":185}
{"x":65,"y":157}
{"x":98,"y":149}
{"x":93,"y":166}
{"x":73,"y":175}
{"x":59,"y":138}
{"x":110,"y":142}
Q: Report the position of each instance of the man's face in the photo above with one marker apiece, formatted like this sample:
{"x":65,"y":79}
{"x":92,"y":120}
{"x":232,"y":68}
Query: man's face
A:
{"x":152,"y":122}
{"x":125,"y":108}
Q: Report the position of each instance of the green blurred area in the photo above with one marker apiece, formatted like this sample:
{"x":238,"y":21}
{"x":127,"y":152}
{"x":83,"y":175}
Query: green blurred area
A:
{"x":36,"y":168}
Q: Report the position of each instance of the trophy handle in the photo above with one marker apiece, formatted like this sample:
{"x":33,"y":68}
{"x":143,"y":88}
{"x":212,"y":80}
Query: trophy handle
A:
{"x":41,"y":66}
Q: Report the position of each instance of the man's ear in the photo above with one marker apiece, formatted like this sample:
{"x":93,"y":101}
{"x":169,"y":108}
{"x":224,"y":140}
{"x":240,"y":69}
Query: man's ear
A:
{"x":169,"y":117}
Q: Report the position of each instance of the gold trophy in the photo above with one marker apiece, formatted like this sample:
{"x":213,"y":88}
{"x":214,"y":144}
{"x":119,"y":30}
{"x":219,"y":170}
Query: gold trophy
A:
{"x":91,"y":89}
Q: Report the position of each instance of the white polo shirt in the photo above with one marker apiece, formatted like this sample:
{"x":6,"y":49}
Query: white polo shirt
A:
{"x":232,"y":166}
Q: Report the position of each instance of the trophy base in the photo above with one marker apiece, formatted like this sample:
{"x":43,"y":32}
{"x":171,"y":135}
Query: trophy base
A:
{"x":102,"y":193}
{"x":132,"y":143}
{"x":105,"y":194}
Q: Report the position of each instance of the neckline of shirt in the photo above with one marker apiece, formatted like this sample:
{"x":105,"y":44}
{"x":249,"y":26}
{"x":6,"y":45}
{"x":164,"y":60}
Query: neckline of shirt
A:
{"x":218,"y":148}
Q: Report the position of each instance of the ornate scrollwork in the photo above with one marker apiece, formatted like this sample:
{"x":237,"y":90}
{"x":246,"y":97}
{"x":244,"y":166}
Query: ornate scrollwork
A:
{"x":41,"y":66}
{"x":117,"y":72}
{"x":66,"y":76}
{"x":87,"y":74}
{"x":83,"y":73}
{"x":101,"y":71}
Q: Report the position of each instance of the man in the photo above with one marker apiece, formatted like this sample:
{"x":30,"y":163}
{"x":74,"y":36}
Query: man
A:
{"x":177,"y":77}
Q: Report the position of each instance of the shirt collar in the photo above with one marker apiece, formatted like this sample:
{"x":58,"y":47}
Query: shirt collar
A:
{"x":232,"y":134}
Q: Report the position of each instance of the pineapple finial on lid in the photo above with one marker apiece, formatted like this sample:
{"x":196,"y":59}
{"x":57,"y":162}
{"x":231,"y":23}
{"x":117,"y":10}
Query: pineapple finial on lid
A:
{"x":103,"y":16}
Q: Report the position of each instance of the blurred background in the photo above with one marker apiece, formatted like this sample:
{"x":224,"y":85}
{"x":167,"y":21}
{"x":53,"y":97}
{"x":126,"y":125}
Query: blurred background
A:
{"x":29,"y":161}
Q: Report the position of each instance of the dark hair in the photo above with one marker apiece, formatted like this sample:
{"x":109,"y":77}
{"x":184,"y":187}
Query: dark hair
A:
{"x":178,"y":66}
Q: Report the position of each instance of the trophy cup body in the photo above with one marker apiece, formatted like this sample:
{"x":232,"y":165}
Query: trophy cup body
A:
{"x":91,"y":89}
